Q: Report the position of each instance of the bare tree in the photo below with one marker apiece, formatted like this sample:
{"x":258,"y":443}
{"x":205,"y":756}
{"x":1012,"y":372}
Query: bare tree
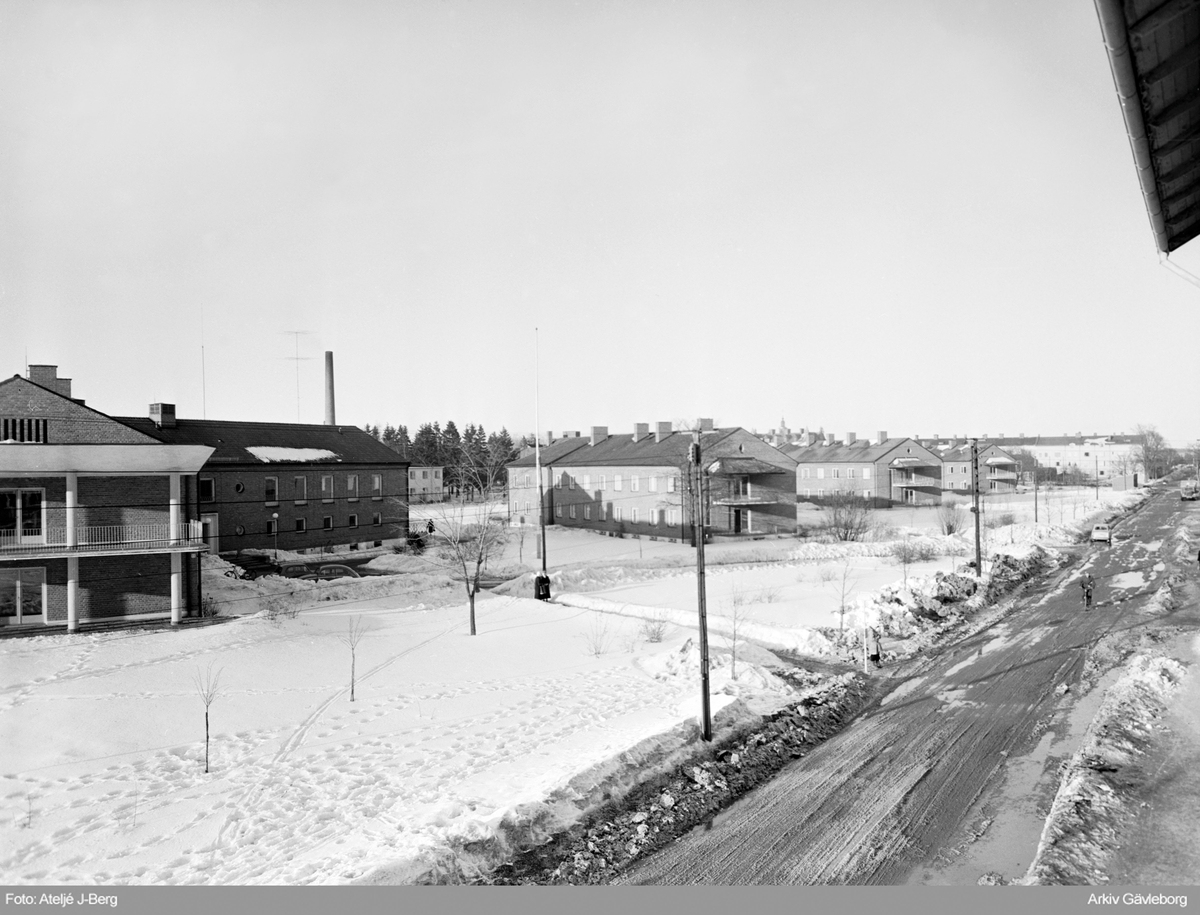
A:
{"x":847,"y":516}
{"x":952,"y":517}
{"x":843,"y":584}
{"x":353,"y":636}
{"x":1153,"y":453}
{"x":739,"y":614}
{"x":208,"y":685}
{"x":522,"y":532}
{"x":468,"y":535}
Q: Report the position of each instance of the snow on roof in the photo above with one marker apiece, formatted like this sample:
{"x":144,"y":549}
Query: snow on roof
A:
{"x":269,"y":453}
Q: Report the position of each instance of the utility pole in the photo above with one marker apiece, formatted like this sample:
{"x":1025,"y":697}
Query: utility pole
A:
{"x":297,"y":359}
{"x":1097,"y":457}
{"x":697,"y":473}
{"x":975,"y":506}
{"x":537,"y":455}
{"x":1035,"y":490}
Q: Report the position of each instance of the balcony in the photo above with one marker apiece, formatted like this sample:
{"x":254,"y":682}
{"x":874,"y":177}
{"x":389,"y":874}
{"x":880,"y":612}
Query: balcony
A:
{"x":738,"y":500}
{"x":108,"y":538}
{"x":915,"y":482}
{"x":1009,"y":475}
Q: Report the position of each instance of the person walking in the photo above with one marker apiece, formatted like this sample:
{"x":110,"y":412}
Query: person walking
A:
{"x":874,"y":648}
{"x":1088,"y":584}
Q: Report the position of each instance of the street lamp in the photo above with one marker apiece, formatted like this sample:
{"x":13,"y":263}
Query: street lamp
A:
{"x":275,"y":531}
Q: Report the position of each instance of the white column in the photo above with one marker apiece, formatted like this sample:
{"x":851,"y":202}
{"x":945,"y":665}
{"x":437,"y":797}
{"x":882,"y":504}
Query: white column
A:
{"x":72,"y":505}
{"x":176,"y":588}
{"x":174,"y":510}
{"x":72,"y":593}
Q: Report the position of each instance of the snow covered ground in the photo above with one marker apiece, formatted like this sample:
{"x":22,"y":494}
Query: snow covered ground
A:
{"x":450,"y":739}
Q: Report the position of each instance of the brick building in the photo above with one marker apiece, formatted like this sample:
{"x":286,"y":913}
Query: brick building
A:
{"x":637,"y":483}
{"x":98,"y":521}
{"x":884,"y":471}
{"x":289,"y":486}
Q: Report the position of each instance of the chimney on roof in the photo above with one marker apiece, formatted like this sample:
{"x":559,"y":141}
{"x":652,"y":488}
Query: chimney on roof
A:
{"x":163,"y":415}
{"x":549,"y":437}
{"x":810,"y":439}
{"x":330,"y":418}
{"x":706,"y":424}
{"x":661,"y":431}
{"x":640,"y":431}
{"x":599,"y":434}
{"x":882,"y":437}
{"x":47,"y":377}
{"x":851,"y":438}
{"x":572,"y":434}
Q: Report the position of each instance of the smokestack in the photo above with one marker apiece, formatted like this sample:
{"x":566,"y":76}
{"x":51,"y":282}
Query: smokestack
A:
{"x":330,"y":417}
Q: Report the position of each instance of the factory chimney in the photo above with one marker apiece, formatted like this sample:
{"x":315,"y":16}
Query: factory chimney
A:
{"x":330,"y":418}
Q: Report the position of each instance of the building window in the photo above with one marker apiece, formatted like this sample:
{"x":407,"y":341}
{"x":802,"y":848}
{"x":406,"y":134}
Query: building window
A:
{"x":572,"y":512}
{"x":804,"y":473}
{"x":207,"y":490}
{"x":807,"y":493}
{"x":271,"y":490}
{"x":558,"y":511}
{"x":672,"y":483}
{"x":352,"y":487}
{"x":424,"y":474}
{"x":653,"y":483}
{"x":327,"y":523}
{"x":866,"y":473}
{"x":633,"y":515}
{"x":377,"y":519}
{"x":866,"y":493}
{"x":352,"y":521}
{"x":412,"y":474}
{"x":527,"y":480}
{"x":570,"y":482}
{"x":653,"y":517}
{"x":851,"y":473}
{"x":301,"y":526}
{"x":587,"y":513}
{"x":272,"y":525}
{"x":672,"y":517}
{"x":587,"y":481}
{"x":377,"y":486}
{"x":22,"y":516}
{"x":634,"y":483}
{"x":617,"y":482}
{"x":616,"y":513}
{"x":836,"y":473}
{"x":300,"y":487}
{"x":326,"y":487}
{"x":437,"y":474}
{"x":527,"y":508}
{"x":602,"y":482}
{"x":820,"y":473}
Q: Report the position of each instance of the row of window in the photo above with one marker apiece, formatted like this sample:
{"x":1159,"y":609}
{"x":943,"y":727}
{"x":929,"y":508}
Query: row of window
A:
{"x":208,"y":489}
{"x":668,"y":516}
{"x":835,"y":473}
{"x":653,"y":482}
{"x":326,"y":523}
{"x":437,"y":474}
{"x":24,"y":430}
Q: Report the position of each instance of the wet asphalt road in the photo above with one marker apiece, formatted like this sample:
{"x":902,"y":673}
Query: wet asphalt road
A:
{"x":889,"y":792}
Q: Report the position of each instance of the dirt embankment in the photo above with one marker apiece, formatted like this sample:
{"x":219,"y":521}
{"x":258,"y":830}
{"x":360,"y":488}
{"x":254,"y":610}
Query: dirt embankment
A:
{"x":655,"y":812}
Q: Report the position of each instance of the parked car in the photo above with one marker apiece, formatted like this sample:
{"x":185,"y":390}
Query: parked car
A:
{"x":1101,"y":534}
{"x":294,"y":570}
{"x":331,"y":570}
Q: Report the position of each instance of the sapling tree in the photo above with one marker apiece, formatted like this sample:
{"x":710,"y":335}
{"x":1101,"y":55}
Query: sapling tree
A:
{"x":468,"y":536}
{"x":353,"y":636}
{"x":739,"y":614}
{"x":208,"y":686}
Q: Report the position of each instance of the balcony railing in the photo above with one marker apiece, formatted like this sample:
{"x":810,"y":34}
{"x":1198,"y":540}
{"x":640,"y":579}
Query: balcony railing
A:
{"x":766,"y":497}
{"x":137,"y":538}
{"x":1001,"y":475}
{"x":916,"y":482}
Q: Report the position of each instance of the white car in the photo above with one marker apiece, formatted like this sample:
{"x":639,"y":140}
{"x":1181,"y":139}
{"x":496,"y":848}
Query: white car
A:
{"x":1101,"y":534}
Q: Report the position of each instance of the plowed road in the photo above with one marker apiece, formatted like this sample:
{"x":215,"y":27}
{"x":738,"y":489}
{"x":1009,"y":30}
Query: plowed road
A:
{"x":888,"y":792}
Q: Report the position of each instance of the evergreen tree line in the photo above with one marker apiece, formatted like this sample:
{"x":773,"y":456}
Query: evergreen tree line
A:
{"x":469,"y":459}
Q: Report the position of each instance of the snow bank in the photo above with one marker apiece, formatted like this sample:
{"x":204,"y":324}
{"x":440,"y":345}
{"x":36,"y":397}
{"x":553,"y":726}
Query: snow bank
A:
{"x":1082,"y":826}
{"x":269,"y":454}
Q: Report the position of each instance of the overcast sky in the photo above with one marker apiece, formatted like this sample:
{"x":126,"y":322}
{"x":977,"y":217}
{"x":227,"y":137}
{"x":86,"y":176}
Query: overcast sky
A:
{"x":918,"y":217}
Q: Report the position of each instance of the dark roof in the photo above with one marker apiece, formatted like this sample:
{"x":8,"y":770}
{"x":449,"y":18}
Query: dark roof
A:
{"x":861,"y":452}
{"x":1151,"y":48}
{"x":232,"y":441}
{"x":962,"y":452}
{"x":623,"y":450}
